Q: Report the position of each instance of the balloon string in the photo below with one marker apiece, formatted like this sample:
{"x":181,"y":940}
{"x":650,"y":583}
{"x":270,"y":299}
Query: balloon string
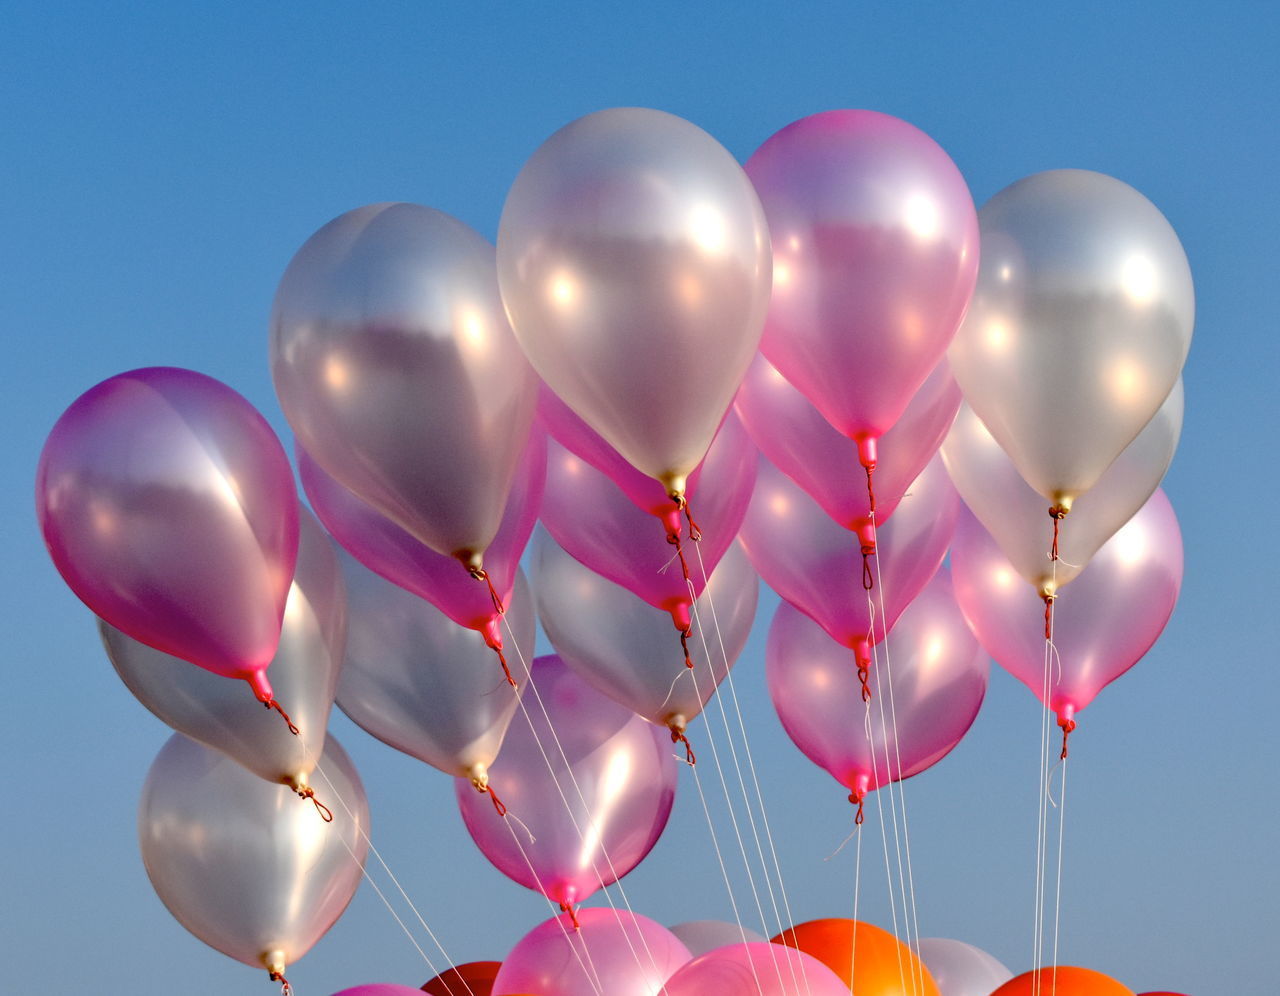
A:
{"x":684,"y":645}
{"x":325,"y":812}
{"x":285,"y":988}
{"x":871,"y":491}
{"x":273,"y":704}
{"x":682,"y":503}
{"x":573,"y":914}
{"x":857,"y":798}
{"x":1068,"y":727}
{"x":480,"y":574}
{"x":506,"y":668}
{"x":1048,"y":615}
{"x":678,"y":737}
{"x":674,"y":540}
{"x":868,"y":551}
{"x":498,"y":804}
{"x":1057,"y":513}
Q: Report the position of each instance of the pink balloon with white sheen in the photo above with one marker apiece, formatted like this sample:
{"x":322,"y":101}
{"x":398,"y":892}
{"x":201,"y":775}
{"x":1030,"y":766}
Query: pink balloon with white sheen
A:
{"x":756,"y":969}
{"x":1103,"y":624}
{"x":593,"y":520}
{"x":931,"y":670}
{"x":616,"y":953}
{"x":622,"y":765}
{"x":380,"y":989}
{"x":875,"y":248}
{"x":816,"y":564}
{"x":168,"y":506}
{"x":803,"y":445}
{"x":395,"y":554}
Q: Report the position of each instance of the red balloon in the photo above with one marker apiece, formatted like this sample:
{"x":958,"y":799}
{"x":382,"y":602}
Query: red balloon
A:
{"x":1063,"y":981}
{"x":474,"y":977}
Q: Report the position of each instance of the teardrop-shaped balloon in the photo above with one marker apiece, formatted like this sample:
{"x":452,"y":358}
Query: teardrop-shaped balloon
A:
{"x":1014,"y":513}
{"x":239,"y":863}
{"x":168,"y":506}
{"x":394,"y":363}
{"x":622,"y":645}
{"x":870,"y":961}
{"x":424,"y":685}
{"x":304,"y":673}
{"x":1079,"y":326}
{"x":875,"y":244}
{"x":634,"y":262}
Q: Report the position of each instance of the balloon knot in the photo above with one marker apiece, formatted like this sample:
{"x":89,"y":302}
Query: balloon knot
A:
{"x":499,"y":806}
{"x":864,"y":676}
{"x":1057,"y":513}
{"x":856,"y":798}
{"x":695,"y":533}
{"x":871,"y":491}
{"x":868,"y":551}
{"x":674,"y":540}
{"x":285,"y":988}
{"x":325,"y":812}
{"x":573,"y":914}
{"x":480,"y":574}
{"x":273,"y":704}
{"x":678,"y":737}
{"x":684,"y":645}
{"x":1068,"y":727}
{"x":1048,"y":614}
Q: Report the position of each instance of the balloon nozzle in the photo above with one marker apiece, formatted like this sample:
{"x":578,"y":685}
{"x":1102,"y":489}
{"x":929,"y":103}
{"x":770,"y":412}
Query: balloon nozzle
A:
{"x":261,"y":686}
{"x":479,"y":775}
{"x":867,"y":454}
{"x":472,"y":561}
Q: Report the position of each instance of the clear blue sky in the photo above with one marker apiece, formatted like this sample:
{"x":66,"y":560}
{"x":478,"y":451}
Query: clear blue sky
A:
{"x":162,"y":161}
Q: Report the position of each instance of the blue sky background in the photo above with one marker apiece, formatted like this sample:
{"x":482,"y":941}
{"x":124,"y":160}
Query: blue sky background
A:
{"x":161,"y":162}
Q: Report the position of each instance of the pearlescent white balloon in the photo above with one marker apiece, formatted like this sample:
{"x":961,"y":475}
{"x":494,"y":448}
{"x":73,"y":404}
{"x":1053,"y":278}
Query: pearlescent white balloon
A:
{"x":635,"y":266}
{"x":701,"y":936}
{"x":960,"y":969}
{"x":1078,"y":328}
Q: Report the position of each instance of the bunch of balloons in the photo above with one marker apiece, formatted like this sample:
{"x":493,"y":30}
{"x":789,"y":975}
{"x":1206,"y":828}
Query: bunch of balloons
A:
{"x":804,"y":370}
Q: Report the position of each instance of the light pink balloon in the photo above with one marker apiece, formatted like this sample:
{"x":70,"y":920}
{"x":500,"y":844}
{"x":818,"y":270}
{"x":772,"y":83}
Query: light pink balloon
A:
{"x":615,"y":953}
{"x":875,"y":248}
{"x":756,"y":969}
{"x":380,"y":989}
{"x":168,"y":506}
{"x":817,"y":565}
{"x":395,"y":554}
{"x":592,"y":519}
{"x":804,"y":445}
{"x":623,"y":767}
{"x":1103,"y":623}
{"x":931,"y":663}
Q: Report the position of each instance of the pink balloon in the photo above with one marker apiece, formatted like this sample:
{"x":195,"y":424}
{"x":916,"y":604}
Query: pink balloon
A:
{"x":875,"y":247}
{"x":395,"y":554}
{"x":622,"y":766}
{"x":168,"y":506}
{"x":592,"y":519}
{"x":816,"y":565}
{"x":1103,"y":623}
{"x":803,"y":445}
{"x":380,"y":989}
{"x":933,"y":666}
{"x":756,"y":969}
{"x":616,"y":953}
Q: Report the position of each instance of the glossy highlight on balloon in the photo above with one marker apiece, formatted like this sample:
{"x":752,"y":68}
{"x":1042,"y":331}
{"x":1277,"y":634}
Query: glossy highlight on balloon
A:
{"x":1064,"y":980}
{"x":755,"y":969}
{"x":168,"y":506}
{"x":868,"y":960}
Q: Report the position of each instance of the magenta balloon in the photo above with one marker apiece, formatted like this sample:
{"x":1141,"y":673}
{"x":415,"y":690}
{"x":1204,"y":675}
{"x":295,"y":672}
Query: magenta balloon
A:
{"x":804,"y":446}
{"x":380,"y":989}
{"x":756,"y":969}
{"x":168,"y":506}
{"x":593,"y":520}
{"x":875,"y":248}
{"x":395,"y":554}
{"x":815,"y":564}
{"x":615,"y":953}
{"x":1103,"y":623}
{"x":622,"y":765}
{"x":931,"y":663}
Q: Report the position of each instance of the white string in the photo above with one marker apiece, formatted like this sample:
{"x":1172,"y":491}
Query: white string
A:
{"x":1057,"y":910}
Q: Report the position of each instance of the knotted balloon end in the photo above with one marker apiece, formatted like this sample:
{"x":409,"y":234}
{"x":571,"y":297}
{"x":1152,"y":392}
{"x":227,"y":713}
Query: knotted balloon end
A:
{"x":682,"y":504}
{"x":674,"y":540}
{"x":1068,"y":724}
{"x":274,"y":961}
{"x":480,"y":574}
{"x":868,"y":457}
{"x":684,"y":645}
{"x":285,"y":988}
{"x":1057,"y":513}
{"x":307,"y":792}
{"x":273,"y":704}
{"x":862,"y":655}
{"x":678,"y":737}
{"x":573,"y":914}
{"x":506,"y":668}
{"x":499,"y":806}
{"x":1049,"y":598}
{"x":861,"y":786}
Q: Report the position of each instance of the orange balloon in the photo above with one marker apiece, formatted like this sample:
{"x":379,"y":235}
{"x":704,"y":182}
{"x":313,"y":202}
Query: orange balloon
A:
{"x":870,"y":961}
{"x":478,"y":975}
{"x":1070,"y":982}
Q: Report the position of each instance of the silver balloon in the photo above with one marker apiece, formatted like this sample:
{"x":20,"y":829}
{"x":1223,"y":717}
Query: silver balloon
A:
{"x":424,"y":685}
{"x":397,"y":369}
{"x":1016,"y":515}
{"x":701,"y":936}
{"x":1078,"y":328}
{"x":239,"y":863}
{"x":960,"y":969}
{"x":628,"y":649}
{"x":635,"y":264}
{"x":219,"y":712}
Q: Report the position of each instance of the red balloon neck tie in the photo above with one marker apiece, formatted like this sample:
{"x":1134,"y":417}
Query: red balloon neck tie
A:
{"x":678,"y":737}
{"x":273,"y":704}
{"x":573,"y":914}
{"x":672,"y":526}
{"x":862,"y":655}
{"x":492,"y":637}
{"x":1068,"y":727}
{"x":856,"y":798}
{"x":498,"y":805}
{"x":285,"y":988}
{"x":325,"y":812}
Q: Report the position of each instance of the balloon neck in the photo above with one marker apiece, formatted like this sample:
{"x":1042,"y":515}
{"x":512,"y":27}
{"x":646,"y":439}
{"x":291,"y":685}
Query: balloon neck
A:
{"x":274,"y":963}
{"x":676,"y":725}
{"x":676,"y":485}
{"x":671,"y":520}
{"x":1066,"y":719}
{"x":867,"y":451}
{"x":865,"y":530}
{"x":862,"y":657}
{"x":858,"y":794}
{"x":680,"y":616}
{"x":1061,"y":505}
{"x":478,"y":774}
{"x":297,"y":782}
{"x":261,"y":686}
{"x":472,"y":560}
{"x":491,"y":630}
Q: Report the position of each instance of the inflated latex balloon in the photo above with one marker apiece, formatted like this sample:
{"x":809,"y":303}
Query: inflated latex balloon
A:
{"x":1102,"y":624}
{"x":239,"y":863}
{"x":475,"y":978}
{"x":1014,"y":513}
{"x":1064,"y":980}
{"x":424,"y":685}
{"x":386,"y":549}
{"x":1161,"y":993}
{"x":614,"y":953}
{"x":868,"y":960}
{"x":875,"y":247}
{"x":1079,"y":326}
{"x":701,"y":936}
{"x":168,"y":506}
{"x":380,"y":989}
{"x":622,"y":644}
{"x":394,"y":363}
{"x":593,"y":520}
{"x":931,"y":666}
{"x":622,"y":766}
{"x":304,"y":672}
{"x":797,"y":440}
{"x":755,"y":969}
{"x":960,"y":969}
{"x":817,"y":565}
{"x":634,"y":262}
